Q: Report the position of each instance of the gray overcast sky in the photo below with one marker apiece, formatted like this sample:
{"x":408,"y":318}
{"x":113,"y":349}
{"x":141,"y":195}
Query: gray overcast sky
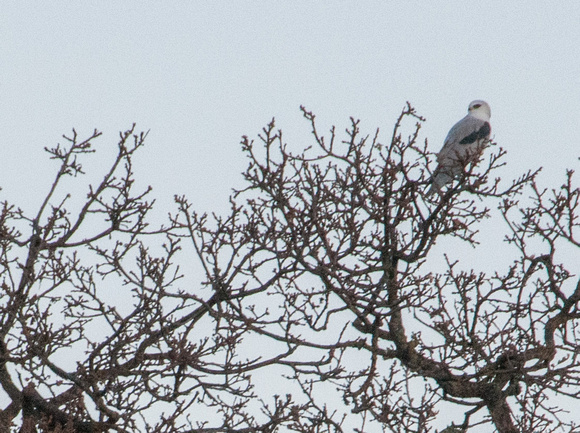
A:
{"x":199,"y":75}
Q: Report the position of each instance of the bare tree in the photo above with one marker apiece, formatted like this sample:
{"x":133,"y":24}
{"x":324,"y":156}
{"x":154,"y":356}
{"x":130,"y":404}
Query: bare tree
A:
{"x":313,"y":306}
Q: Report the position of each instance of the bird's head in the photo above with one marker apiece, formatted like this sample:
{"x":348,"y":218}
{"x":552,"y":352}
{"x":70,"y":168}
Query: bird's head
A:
{"x":479,"y":109}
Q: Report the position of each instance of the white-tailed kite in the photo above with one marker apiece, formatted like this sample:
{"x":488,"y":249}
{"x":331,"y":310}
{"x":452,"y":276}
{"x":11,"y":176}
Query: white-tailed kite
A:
{"x":463,"y":145}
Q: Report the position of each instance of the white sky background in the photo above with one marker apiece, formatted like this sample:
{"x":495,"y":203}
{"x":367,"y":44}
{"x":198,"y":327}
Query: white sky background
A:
{"x":199,"y":75}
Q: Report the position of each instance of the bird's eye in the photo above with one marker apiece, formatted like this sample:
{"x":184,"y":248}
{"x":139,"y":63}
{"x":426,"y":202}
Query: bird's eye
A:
{"x":477,"y":106}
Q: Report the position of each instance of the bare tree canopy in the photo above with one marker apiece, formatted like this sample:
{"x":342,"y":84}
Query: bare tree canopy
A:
{"x":318,"y":304}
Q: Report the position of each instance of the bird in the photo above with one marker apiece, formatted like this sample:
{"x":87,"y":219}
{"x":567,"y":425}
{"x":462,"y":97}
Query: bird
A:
{"x":464,"y":144}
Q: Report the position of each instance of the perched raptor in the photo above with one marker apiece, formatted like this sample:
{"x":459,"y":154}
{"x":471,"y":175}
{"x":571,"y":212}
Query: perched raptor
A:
{"x":463,"y":144}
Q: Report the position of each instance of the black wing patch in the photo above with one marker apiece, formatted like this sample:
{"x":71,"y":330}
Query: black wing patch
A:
{"x":481,"y":133}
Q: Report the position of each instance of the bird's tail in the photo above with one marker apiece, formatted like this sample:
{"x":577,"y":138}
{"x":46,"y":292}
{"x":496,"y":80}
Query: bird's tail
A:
{"x":434,"y":188}
{"x":440,"y":179}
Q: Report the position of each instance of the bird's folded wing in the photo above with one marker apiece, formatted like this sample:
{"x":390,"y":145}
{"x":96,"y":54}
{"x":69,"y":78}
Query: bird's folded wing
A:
{"x":466,"y":131}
